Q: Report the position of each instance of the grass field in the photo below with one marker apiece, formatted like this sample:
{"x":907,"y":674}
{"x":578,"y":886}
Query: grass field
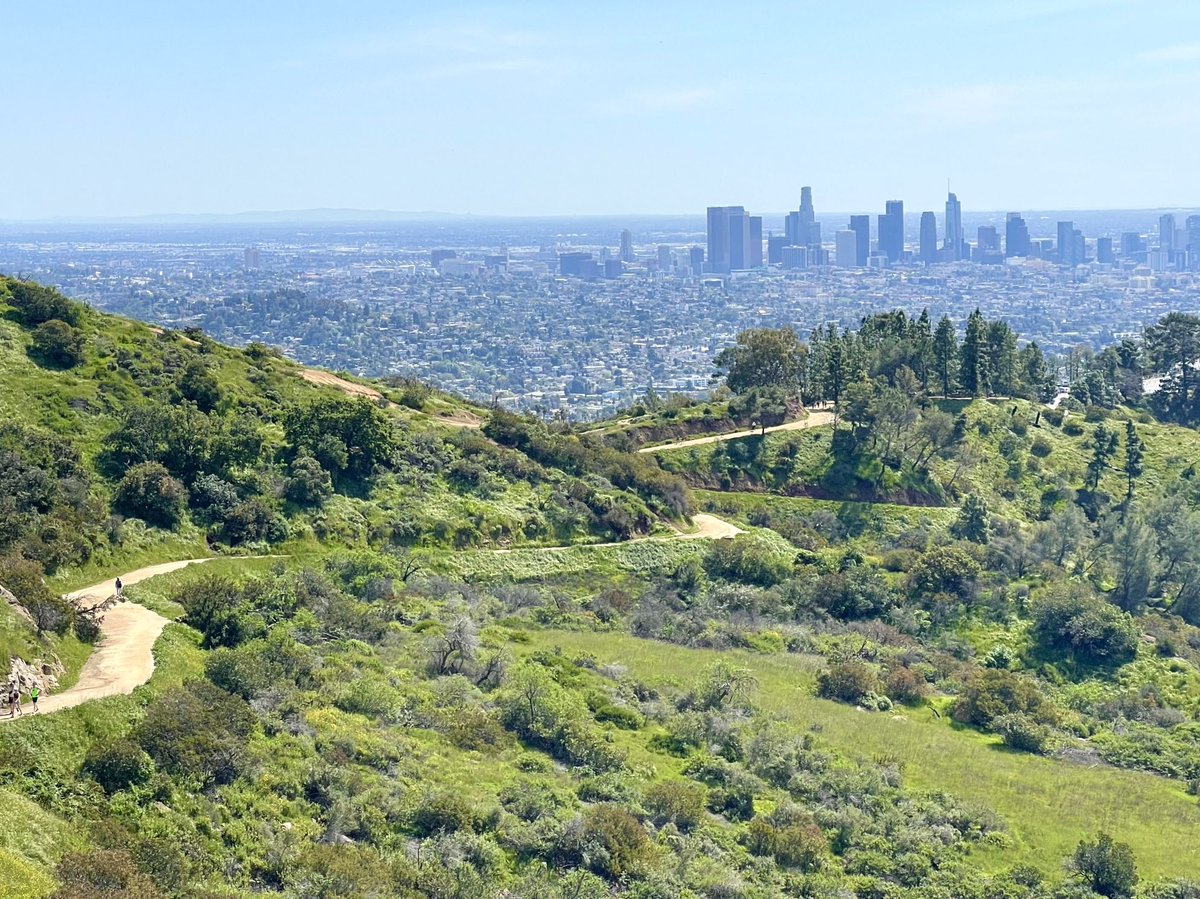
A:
{"x":1048,"y":805}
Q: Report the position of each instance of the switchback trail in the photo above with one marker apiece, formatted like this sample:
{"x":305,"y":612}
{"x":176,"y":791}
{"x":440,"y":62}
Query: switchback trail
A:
{"x":460,"y":418}
{"x":124,"y":658}
{"x":813,"y":420}
{"x":708,"y":527}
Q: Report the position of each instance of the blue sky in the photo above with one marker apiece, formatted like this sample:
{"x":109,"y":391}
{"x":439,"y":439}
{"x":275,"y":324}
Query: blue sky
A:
{"x":565,"y":107}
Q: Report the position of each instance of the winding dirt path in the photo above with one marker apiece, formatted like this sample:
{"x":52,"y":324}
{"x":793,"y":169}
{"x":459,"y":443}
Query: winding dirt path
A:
{"x":813,"y":420}
{"x":708,"y":527}
{"x":124,"y":658}
{"x":460,"y":418}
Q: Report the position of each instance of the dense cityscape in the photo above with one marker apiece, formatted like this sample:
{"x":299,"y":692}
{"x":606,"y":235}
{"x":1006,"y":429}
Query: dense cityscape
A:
{"x":580,"y":317}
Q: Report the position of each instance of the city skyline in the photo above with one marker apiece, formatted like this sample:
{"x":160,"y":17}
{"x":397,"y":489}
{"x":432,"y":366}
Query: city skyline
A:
{"x":529,"y":108}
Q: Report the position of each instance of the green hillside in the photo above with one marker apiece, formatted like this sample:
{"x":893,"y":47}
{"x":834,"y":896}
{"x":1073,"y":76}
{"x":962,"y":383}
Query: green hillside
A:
{"x":449,"y":651}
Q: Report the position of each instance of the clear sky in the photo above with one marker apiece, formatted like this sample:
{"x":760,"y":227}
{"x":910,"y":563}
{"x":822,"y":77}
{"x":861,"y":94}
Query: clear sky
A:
{"x":564,"y":107}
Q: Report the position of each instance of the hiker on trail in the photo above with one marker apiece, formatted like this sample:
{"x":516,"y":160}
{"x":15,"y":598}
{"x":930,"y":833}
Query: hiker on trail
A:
{"x":33,"y":697}
{"x":14,"y":702}
{"x":120,"y":589}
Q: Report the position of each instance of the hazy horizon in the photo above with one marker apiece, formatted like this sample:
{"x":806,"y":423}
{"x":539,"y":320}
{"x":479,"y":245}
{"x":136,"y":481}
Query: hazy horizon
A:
{"x":536,"y":109}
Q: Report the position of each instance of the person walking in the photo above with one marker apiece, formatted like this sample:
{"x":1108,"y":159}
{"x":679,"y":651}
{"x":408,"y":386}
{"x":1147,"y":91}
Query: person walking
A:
{"x":14,"y":702}
{"x":120,"y":589}
{"x":34,"y":692}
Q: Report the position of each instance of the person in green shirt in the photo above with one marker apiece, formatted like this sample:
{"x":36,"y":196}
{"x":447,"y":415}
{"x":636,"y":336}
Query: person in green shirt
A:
{"x":34,"y":692}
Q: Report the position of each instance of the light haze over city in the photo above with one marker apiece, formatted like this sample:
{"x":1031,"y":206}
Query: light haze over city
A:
{"x":555,"y":109}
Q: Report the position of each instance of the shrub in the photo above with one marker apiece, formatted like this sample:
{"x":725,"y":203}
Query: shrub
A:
{"x":847,"y":681}
{"x":614,"y":842}
{"x":1021,"y":732}
{"x":442,"y":810}
{"x":36,"y":304}
{"x":309,"y":483}
{"x":118,"y":766}
{"x":1107,"y":867}
{"x":1072,"y":620}
{"x":1041,"y":447}
{"x":253,"y":520}
{"x":150,"y":493}
{"x":793,"y":844}
{"x":944,"y":569}
{"x":992,"y":692}
{"x":905,"y":685}
{"x":678,"y":802}
{"x":748,"y":558}
{"x":199,"y":731}
{"x":58,"y":344}
{"x":199,"y":385}
{"x":24,"y":579}
{"x":104,"y":874}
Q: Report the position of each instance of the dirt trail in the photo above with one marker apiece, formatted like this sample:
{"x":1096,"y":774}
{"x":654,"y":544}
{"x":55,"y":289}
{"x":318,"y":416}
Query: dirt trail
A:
{"x":460,"y":418}
{"x":814,"y":420}
{"x":125,"y":658}
{"x":708,"y":527}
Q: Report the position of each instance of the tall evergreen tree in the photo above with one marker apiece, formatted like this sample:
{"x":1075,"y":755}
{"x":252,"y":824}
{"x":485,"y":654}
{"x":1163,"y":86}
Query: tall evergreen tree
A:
{"x":945,"y":353}
{"x":972,"y":356}
{"x":1135,"y":451}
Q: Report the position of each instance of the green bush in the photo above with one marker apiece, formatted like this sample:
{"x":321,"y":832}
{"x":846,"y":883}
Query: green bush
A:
{"x":57,"y":344}
{"x":905,"y":685}
{"x":118,"y":765}
{"x":1021,"y":732}
{"x":24,"y":579}
{"x":150,"y":493}
{"x":1072,"y":620}
{"x":1107,"y":867}
{"x":749,"y":559}
{"x":198,"y":731}
{"x":308,"y":484}
{"x":102,"y":874}
{"x":615,"y":844}
{"x":36,"y":304}
{"x":847,"y":681}
{"x":992,"y":692}
{"x":678,"y":802}
{"x":442,"y":810}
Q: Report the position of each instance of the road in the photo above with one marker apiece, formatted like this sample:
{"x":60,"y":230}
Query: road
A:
{"x":814,"y":420}
{"x":124,"y":658}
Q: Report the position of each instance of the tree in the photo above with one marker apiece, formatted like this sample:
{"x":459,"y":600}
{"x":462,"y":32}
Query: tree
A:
{"x":762,"y":357}
{"x":972,"y":521}
{"x":763,"y":406}
{"x":1001,"y":358}
{"x":58,"y":344}
{"x":945,"y":353}
{"x":1069,"y":619}
{"x":972,"y":356}
{"x":1104,"y":447}
{"x":1106,"y":866}
{"x":1032,"y":372}
{"x":149,"y":492}
{"x":1173,"y":345}
{"x":309,"y":483}
{"x":1062,"y":534}
{"x":36,"y":304}
{"x":1135,"y":452}
{"x":199,"y":385}
{"x":1134,"y":553}
{"x":349,"y":437}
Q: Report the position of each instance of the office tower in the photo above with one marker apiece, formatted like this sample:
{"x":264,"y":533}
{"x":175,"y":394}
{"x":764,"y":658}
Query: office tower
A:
{"x":1131,"y":244}
{"x":1166,"y":232}
{"x":436,"y":256}
{"x":696,"y":257}
{"x":861,"y":226}
{"x":929,"y":247}
{"x":1188,"y":242}
{"x":578,"y":263}
{"x":988,"y":240}
{"x":1016,"y":236}
{"x":810,"y":227}
{"x":754,"y":257}
{"x":1104,"y":250}
{"x":252,"y":259}
{"x":1080,"y":247}
{"x":846,"y":248}
{"x":891,"y":231}
{"x":613,"y":268}
{"x":775,"y":245}
{"x":954,"y":229}
{"x":626,"y":246}
{"x":795,"y":257}
{"x":1066,"y":243}
{"x":718,"y":236}
{"x":664,"y":257}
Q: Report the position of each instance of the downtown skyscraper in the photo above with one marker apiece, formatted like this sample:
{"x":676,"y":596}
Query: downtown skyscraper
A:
{"x":891,"y":231}
{"x":952,"y":250}
{"x":734,"y":239}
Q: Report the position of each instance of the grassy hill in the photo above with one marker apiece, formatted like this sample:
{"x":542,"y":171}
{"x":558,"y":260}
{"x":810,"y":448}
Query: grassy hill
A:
{"x":945,"y":651}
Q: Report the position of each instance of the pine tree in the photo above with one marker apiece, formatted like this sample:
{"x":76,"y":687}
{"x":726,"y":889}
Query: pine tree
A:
{"x":1135,"y":451}
{"x":972,"y":356}
{"x":945,"y":353}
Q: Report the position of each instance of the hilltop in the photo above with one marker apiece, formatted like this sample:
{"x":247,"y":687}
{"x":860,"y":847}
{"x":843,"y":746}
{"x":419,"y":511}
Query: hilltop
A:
{"x":921,"y":639}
